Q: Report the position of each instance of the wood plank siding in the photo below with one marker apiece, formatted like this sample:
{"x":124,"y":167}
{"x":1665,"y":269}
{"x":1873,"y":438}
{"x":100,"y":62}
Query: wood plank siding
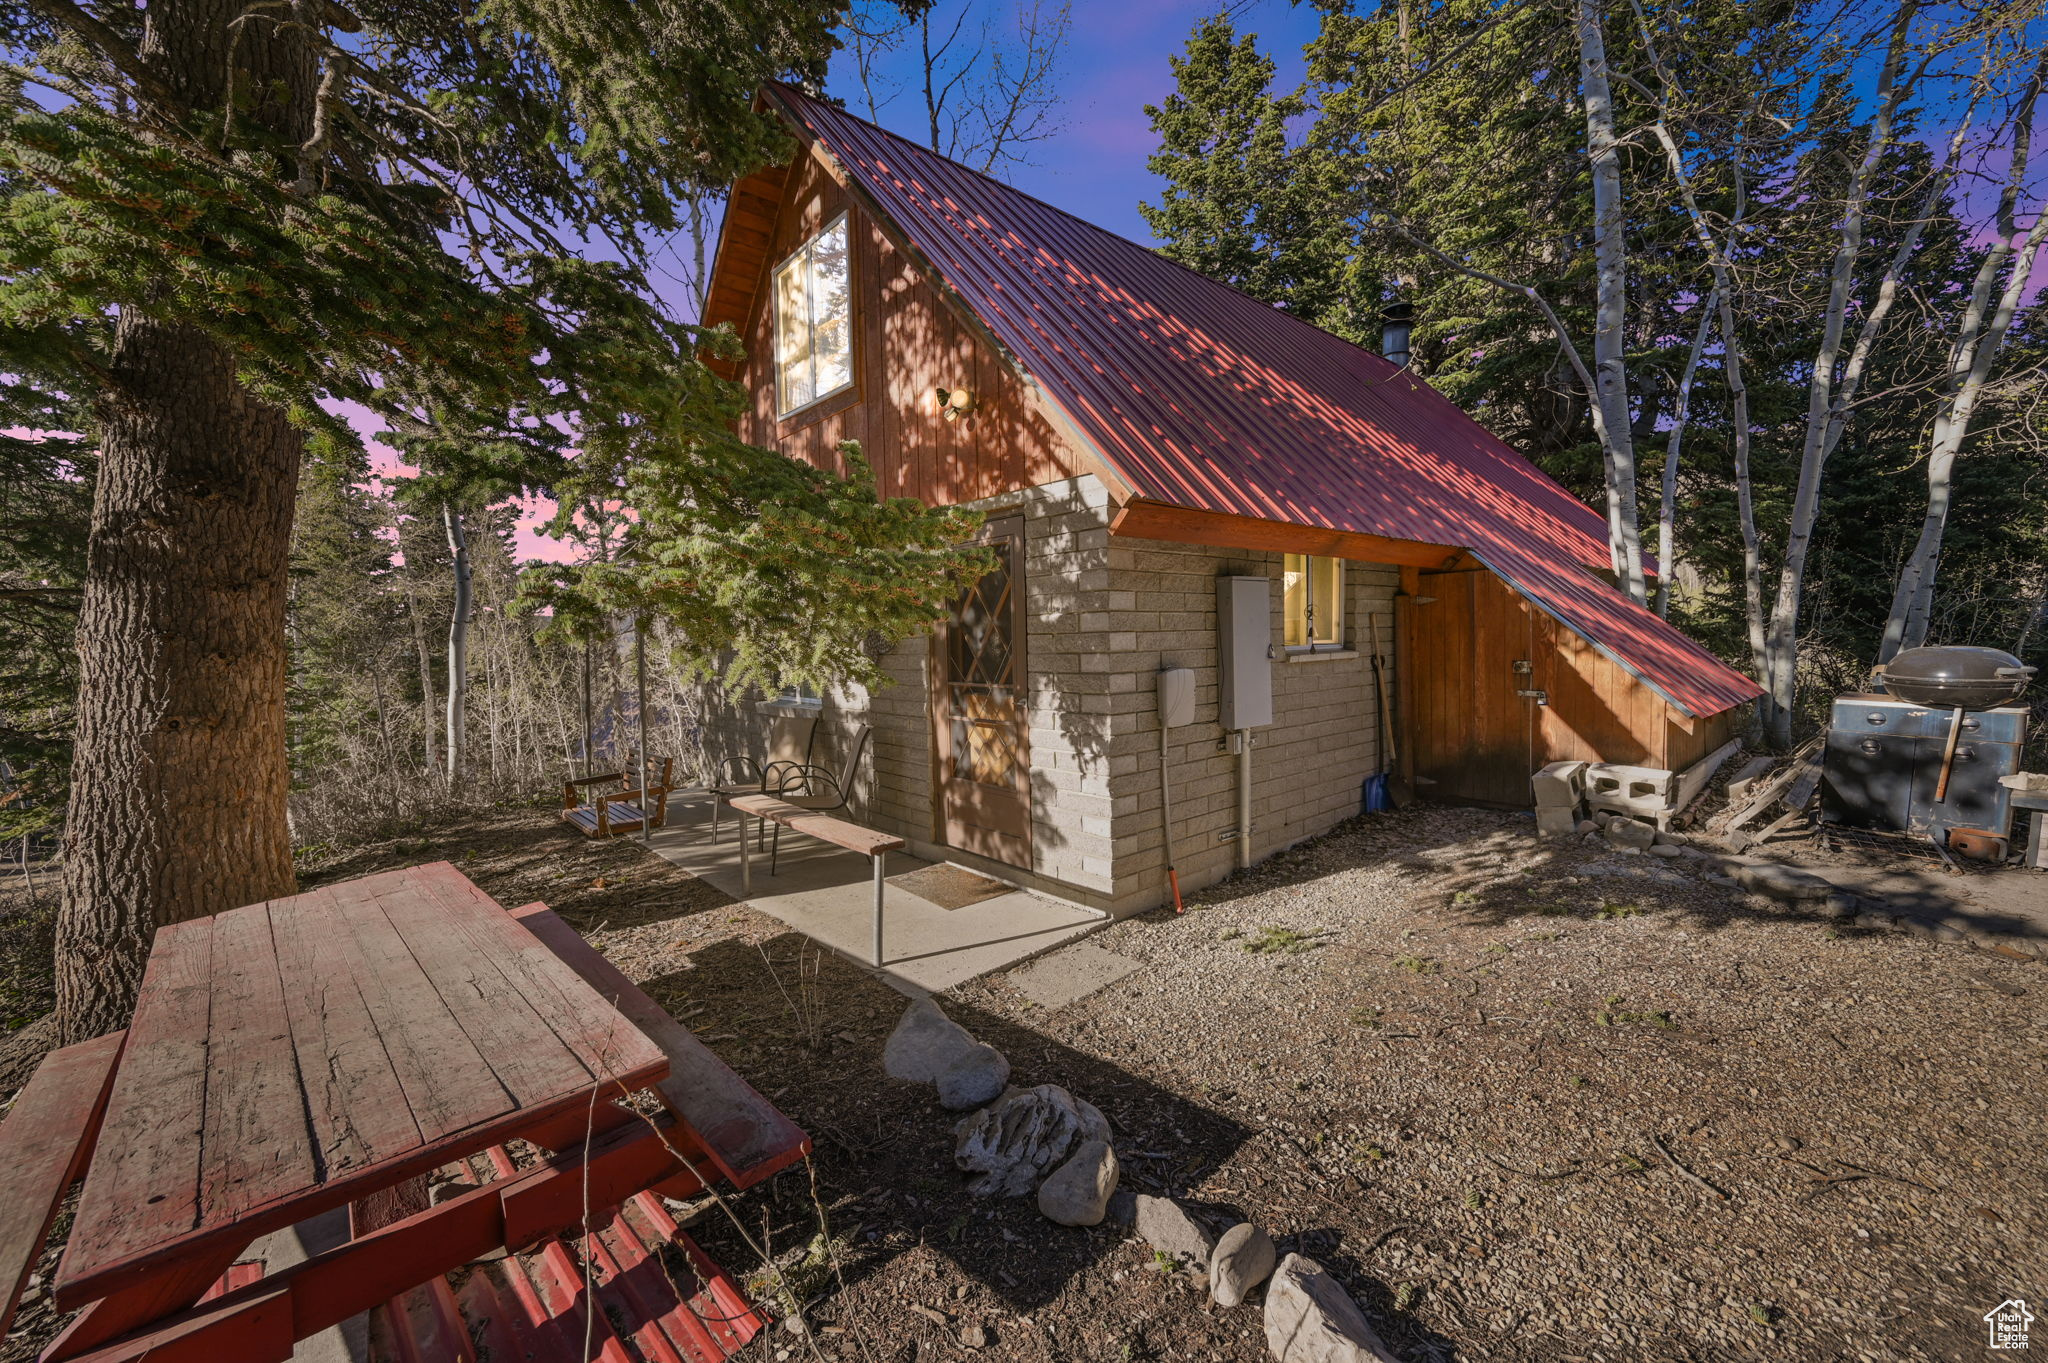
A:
{"x":1471,"y":737}
{"x":907,"y":342}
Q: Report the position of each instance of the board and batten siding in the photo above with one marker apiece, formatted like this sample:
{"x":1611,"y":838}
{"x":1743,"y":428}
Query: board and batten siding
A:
{"x":1471,"y":737}
{"x":907,"y":342}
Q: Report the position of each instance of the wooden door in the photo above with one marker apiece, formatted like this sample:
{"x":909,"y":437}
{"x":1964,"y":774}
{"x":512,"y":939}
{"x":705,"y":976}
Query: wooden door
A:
{"x":1468,"y":648}
{"x":981,"y":757}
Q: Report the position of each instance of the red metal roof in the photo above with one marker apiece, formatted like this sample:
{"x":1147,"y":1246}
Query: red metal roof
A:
{"x":1200,"y":396}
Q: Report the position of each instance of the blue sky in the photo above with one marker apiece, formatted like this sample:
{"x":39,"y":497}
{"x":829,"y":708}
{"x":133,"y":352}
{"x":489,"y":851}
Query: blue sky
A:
{"x":1115,"y":64}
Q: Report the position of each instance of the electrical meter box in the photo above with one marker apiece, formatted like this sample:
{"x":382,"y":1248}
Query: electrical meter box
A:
{"x":1244,"y":640}
{"x":1176,"y":697}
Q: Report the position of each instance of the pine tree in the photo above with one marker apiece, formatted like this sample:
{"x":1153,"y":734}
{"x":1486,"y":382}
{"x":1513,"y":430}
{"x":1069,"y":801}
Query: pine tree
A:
{"x":228,"y":220}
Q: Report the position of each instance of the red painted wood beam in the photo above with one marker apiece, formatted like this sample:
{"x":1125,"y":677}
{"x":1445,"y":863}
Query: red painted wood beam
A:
{"x":329,"y":1288}
{"x":1186,"y":525}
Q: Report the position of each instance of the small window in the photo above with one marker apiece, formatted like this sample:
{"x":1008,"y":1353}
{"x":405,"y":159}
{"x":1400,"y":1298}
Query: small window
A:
{"x":801,"y":694}
{"x":1313,"y":595}
{"x":814,"y":320}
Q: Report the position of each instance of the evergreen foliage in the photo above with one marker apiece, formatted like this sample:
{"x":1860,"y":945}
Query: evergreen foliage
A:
{"x":1459,"y":125}
{"x":442,"y":217}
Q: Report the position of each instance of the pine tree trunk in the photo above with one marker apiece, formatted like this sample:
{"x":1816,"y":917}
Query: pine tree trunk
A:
{"x":180,"y":778}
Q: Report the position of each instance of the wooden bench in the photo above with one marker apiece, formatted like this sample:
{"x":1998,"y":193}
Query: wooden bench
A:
{"x":746,"y":1137}
{"x":45,"y":1145}
{"x":825,"y":828}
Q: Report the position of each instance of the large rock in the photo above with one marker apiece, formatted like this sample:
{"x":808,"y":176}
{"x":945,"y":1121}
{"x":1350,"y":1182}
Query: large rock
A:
{"x":1166,"y":1226}
{"x":1243,"y":1258}
{"x":1077,"y":1193}
{"x":1632,"y":834}
{"x":925,"y":1044}
{"x":1009,"y":1144}
{"x":975,"y":1079}
{"x":1310,"y":1318}
{"x":1094,"y":1126}
{"x":1782,"y":882}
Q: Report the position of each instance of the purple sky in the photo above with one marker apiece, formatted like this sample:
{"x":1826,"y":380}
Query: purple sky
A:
{"x":1115,"y":64}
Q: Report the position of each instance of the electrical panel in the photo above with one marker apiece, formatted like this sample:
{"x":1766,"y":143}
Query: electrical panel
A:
{"x":1244,"y":640}
{"x":1176,"y":696}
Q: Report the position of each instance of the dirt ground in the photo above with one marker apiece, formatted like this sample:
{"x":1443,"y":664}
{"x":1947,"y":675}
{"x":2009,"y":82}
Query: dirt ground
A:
{"x":1527,"y":1100}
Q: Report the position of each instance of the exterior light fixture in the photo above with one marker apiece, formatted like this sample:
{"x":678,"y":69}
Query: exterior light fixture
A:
{"x":953,"y":403}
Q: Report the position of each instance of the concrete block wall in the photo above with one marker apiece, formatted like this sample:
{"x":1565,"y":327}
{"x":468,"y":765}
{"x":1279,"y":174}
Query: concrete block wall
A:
{"x":1308,"y":769}
{"x":1103,"y":616}
{"x":1070,"y":680}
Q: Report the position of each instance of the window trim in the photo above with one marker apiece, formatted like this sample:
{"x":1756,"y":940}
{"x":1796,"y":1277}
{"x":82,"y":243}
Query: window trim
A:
{"x":1332,"y":645}
{"x":803,"y":250}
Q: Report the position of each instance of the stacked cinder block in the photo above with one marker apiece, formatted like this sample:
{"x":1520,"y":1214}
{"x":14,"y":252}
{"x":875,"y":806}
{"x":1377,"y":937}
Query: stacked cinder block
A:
{"x":1639,"y":792}
{"x":1558,"y":790}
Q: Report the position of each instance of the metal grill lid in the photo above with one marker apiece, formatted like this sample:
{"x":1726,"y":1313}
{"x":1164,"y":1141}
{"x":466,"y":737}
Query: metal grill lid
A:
{"x":1956,"y":674}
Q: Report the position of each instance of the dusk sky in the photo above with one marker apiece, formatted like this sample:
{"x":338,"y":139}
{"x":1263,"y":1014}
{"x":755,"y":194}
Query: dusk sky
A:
{"x":1115,"y":63}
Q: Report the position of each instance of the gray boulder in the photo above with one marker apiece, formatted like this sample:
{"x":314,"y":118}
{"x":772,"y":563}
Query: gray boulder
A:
{"x":1165,"y":1225}
{"x":1631,"y":834}
{"x":1783,"y":882}
{"x":1310,"y":1318}
{"x":1009,"y":1144}
{"x":1243,"y":1258}
{"x":1094,"y":1126}
{"x":975,"y":1079}
{"x":925,"y":1044}
{"x":1077,"y":1193}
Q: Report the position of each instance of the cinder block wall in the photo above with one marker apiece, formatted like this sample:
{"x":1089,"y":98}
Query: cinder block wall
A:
{"x":1067,"y":665}
{"x":1103,"y":616}
{"x":1308,"y":769}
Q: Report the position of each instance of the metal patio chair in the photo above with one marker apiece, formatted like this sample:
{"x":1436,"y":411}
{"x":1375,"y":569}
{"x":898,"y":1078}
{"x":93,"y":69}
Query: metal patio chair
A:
{"x":819,"y":789}
{"x":791,"y":740}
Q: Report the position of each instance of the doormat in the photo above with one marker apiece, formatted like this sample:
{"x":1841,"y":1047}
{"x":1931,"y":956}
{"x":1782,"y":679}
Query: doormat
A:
{"x":949,"y":887}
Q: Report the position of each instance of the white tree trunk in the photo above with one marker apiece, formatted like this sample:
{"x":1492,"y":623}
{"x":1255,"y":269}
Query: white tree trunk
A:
{"x":1781,"y":637}
{"x":1610,"y":362}
{"x":1681,"y":412}
{"x":1980,"y":336}
{"x":458,"y":645}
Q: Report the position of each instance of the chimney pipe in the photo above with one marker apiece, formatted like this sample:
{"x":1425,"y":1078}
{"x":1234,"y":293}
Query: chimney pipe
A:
{"x":1395,"y":324}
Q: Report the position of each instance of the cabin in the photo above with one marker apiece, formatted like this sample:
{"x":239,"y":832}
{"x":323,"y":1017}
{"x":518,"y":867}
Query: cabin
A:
{"x":1174,"y":475}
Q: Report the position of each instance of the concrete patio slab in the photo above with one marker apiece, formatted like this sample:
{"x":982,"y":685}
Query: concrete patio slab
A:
{"x":827,"y":894}
{"x":1057,"y":978}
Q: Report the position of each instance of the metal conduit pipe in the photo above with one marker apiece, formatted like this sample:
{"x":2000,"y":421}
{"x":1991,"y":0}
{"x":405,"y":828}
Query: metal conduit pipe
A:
{"x":1244,"y":799}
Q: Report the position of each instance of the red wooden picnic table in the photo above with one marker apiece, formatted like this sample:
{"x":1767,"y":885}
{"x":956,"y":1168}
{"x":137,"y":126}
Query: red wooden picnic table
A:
{"x":328,"y":1050}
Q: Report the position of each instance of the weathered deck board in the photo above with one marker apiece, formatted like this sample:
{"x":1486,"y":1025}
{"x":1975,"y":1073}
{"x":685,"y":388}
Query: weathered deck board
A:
{"x":358,"y":1108}
{"x":492,"y":1011}
{"x":254,"y":1145}
{"x":445,"y":1078}
{"x":141,"y":1191}
{"x":593,"y":1030}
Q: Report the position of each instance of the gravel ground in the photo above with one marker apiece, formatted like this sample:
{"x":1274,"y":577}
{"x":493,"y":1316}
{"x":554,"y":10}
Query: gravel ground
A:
{"x":1528,"y":1100}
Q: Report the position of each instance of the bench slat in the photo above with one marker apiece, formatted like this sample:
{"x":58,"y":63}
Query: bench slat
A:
{"x":823,"y":827}
{"x":747,"y":1137}
{"x":45,"y":1145}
